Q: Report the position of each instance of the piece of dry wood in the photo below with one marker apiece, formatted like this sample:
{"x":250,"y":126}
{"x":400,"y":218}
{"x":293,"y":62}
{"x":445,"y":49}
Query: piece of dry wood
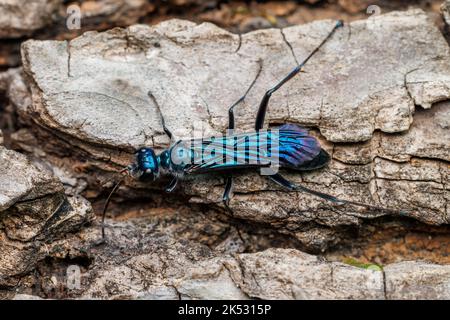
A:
{"x":18,"y":18}
{"x":89,"y":96}
{"x":34,"y":211}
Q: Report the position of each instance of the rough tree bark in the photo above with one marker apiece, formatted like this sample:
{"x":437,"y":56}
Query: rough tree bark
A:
{"x":34,"y":211}
{"x":17,"y":19}
{"x":92,"y":94}
{"x":376,"y":96}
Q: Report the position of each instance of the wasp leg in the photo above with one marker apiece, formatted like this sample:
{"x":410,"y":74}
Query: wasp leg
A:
{"x":172,"y":185}
{"x":279,"y":179}
{"x":226,"y":193}
{"x":265,"y":100}
{"x":231,"y":123}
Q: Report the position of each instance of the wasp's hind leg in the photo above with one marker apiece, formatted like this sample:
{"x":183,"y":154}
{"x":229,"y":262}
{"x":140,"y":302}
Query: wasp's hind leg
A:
{"x":231,"y":123}
{"x":279,"y":179}
{"x":265,"y":100}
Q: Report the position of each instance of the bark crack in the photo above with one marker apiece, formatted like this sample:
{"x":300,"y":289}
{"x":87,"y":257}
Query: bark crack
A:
{"x":239,"y":44}
{"x":349,"y":31}
{"x":289,"y":45}
{"x":405,"y":84}
{"x":161,"y":116}
{"x":178,"y":293}
{"x":384,"y":284}
{"x":225,"y":266}
{"x":320,"y":115}
{"x":208,"y":111}
{"x":243,"y":272}
{"x":69,"y":57}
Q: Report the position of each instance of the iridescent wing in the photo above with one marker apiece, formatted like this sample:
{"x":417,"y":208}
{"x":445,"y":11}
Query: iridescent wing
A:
{"x":288,"y":146}
{"x":299,"y":150}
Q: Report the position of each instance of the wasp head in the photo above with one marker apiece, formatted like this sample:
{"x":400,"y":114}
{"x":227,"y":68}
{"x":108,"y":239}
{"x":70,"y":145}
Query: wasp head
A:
{"x":146,"y":166}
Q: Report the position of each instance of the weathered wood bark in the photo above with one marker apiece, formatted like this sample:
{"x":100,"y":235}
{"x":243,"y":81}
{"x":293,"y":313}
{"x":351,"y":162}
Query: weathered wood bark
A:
{"x":155,"y":261}
{"x":376,"y":96}
{"x":91,"y":95}
{"x":34,"y":211}
{"x":19,"y":19}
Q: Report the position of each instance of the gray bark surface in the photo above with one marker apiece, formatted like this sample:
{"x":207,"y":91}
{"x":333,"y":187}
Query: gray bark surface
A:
{"x":373,"y":83}
{"x":376,"y":96}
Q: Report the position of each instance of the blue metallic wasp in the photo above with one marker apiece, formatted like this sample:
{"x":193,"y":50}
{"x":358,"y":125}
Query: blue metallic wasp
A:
{"x":297,"y":150}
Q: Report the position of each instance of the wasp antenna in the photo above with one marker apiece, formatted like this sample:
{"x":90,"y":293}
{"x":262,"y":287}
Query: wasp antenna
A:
{"x":105,"y":208}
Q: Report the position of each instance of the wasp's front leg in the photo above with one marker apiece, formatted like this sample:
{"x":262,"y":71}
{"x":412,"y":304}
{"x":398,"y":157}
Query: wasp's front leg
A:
{"x":226,"y":193}
{"x":172,"y":185}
